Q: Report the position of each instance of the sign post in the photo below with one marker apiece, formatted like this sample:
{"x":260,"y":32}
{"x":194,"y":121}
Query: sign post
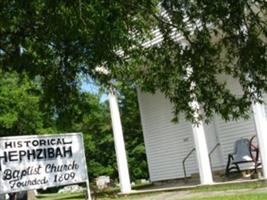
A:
{"x":36,"y":162}
{"x":88,"y":190}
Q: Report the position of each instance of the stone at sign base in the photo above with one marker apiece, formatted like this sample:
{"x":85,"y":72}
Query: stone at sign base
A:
{"x":102,"y":182}
{"x":31,"y":195}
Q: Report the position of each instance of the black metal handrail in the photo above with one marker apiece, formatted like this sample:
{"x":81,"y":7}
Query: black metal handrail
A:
{"x":186,"y":157}
{"x":211,"y":152}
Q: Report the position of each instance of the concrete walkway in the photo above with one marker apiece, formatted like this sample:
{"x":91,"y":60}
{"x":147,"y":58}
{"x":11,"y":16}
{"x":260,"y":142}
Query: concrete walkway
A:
{"x":174,"y":192}
{"x":174,"y":187}
{"x":183,"y":195}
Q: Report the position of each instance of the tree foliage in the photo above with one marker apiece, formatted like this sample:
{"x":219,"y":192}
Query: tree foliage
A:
{"x":133,"y":134}
{"x":201,"y":41}
{"x":55,"y":43}
{"x":60,"y":40}
{"x":99,"y":143}
{"x":24,"y":111}
{"x":19,"y":105}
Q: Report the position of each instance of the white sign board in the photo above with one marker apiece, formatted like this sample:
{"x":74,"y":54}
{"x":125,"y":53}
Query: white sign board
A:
{"x":34,"y":162}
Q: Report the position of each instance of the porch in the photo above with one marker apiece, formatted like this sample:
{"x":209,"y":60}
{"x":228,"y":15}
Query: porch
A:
{"x":168,"y":144}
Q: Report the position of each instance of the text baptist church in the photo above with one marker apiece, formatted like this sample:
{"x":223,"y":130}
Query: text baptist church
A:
{"x":38,"y":149}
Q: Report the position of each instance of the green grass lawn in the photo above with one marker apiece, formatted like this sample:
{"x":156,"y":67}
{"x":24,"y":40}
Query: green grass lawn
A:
{"x":67,"y":196}
{"x":231,"y":186}
{"x":229,"y":194}
{"x":257,"y":196}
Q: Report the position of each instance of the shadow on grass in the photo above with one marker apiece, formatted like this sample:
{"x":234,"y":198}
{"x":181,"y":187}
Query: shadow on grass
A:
{"x":66,"y":196}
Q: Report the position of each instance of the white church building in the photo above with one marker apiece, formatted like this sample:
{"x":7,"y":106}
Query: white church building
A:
{"x":167,"y":143}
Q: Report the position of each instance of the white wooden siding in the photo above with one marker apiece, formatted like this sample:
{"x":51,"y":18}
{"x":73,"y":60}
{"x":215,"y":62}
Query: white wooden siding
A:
{"x":212,"y":140}
{"x":166,"y":143}
{"x":229,"y":132}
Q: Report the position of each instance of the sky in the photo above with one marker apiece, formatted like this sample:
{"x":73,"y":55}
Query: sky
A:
{"x":88,"y":85}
